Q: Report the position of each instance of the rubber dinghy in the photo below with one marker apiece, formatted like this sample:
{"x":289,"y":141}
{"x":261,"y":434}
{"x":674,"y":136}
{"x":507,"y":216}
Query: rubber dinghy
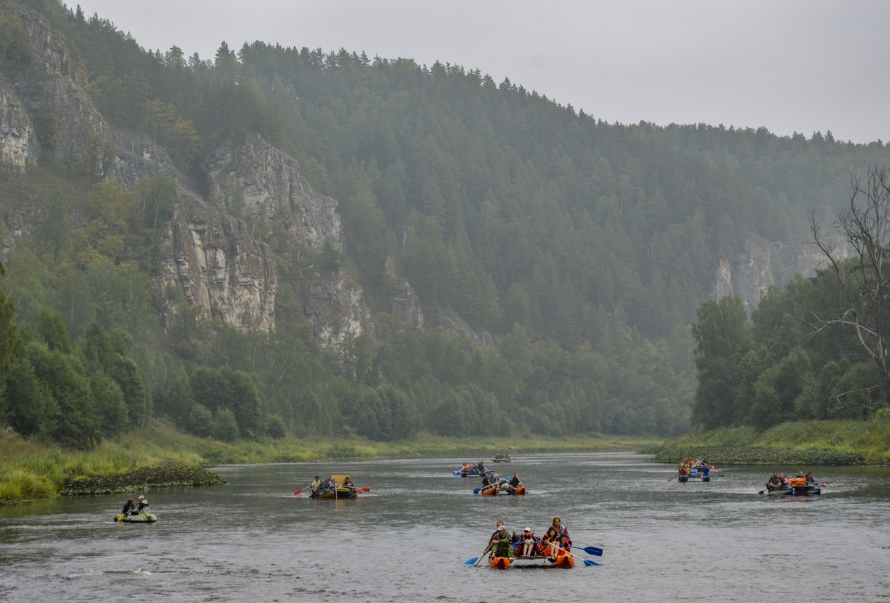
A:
{"x":337,"y":493}
{"x":150,"y":518}
{"x":493,"y":491}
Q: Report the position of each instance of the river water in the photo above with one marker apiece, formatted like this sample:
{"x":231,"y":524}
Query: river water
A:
{"x":407,"y":539}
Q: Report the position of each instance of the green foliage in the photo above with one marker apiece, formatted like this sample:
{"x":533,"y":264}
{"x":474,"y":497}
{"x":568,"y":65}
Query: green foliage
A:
{"x":275,"y":427}
{"x":224,"y":426}
{"x":235,"y":391}
{"x":9,"y":336}
{"x":15,"y":49}
{"x":200,"y":421}
{"x":722,"y":339}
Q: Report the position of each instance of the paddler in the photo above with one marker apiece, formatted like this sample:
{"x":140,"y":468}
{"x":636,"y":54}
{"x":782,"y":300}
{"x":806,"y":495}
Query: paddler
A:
{"x":514,"y":481}
{"x":774,"y":482}
{"x":811,"y":481}
{"x":562,"y":536}
{"x":315,"y":485}
{"x":502,"y":543}
{"x":129,"y":507}
{"x":142,"y":508}
{"x":527,"y":540}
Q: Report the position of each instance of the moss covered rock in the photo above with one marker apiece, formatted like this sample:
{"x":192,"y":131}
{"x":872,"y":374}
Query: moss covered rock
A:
{"x":159,"y":476}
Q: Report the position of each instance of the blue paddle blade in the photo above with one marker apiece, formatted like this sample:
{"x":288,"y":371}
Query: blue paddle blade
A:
{"x":589,"y":563}
{"x":471,"y":561}
{"x":592,"y":550}
{"x":477,"y":490}
{"x":456,"y":472}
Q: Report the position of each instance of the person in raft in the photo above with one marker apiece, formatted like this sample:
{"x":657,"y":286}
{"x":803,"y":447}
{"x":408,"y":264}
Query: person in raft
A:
{"x":811,"y":481}
{"x":129,"y":507}
{"x":514,"y":481}
{"x":504,"y":485}
{"x":487,"y":481}
{"x":527,"y":543}
{"x":348,"y":483}
{"x":315,"y":485}
{"x":142,"y":508}
{"x":562,"y":539}
{"x":774,"y":482}
{"x":502,"y":543}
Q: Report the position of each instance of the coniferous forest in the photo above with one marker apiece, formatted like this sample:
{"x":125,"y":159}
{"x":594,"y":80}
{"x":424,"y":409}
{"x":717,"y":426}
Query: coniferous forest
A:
{"x":582,"y":250}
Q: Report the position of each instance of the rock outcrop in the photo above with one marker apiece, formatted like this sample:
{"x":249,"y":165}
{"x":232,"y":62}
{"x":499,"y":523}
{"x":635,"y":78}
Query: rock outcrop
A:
{"x":335,"y":306}
{"x":251,"y":179}
{"x":212,"y":257}
{"x":763,"y":264}
{"x":60,"y":112}
{"x":18,"y":139}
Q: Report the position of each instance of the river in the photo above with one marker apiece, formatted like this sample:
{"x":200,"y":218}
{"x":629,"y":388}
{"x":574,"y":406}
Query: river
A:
{"x":408,"y":538}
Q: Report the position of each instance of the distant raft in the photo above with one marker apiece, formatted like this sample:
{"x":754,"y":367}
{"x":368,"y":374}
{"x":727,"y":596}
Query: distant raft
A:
{"x":142,"y":518}
{"x":339,"y":492}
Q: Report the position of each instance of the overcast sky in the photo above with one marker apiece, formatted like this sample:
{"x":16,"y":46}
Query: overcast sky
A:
{"x":792,"y":66}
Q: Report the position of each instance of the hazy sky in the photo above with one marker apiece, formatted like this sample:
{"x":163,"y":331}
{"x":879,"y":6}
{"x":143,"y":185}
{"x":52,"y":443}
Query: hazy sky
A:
{"x":801,"y":65}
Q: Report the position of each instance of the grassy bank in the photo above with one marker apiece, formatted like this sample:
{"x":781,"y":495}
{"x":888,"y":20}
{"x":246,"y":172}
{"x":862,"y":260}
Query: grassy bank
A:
{"x":810,"y":442}
{"x":31,"y":470}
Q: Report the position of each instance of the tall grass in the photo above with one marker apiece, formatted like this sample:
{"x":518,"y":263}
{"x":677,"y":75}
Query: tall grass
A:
{"x":871,"y":439}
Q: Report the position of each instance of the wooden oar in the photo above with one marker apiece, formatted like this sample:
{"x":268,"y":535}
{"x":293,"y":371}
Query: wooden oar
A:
{"x":673,"y":476}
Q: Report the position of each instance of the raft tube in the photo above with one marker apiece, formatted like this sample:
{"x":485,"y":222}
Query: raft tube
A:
{"x":329,"y":494}
{"x":150,"y":518}
{"x":499,"y":562}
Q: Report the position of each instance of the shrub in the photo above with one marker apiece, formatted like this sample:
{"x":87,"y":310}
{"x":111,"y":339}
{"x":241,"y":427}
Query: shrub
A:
{"x":275,"y":427}
{"x":200,"y":421}
{"x":225,"y":427}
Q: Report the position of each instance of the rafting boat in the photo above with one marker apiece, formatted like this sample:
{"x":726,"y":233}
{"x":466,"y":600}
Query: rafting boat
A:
{"x":493,"y":491}
{"x":470,"y":473}
{"x":340,"y":492}
{"x":149,"y":518}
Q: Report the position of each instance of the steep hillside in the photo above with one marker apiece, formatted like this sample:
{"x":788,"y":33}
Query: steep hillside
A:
{"x":376,"y":245}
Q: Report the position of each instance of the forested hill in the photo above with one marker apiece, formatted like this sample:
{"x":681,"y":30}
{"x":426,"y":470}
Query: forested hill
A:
{"x":584,"y":247}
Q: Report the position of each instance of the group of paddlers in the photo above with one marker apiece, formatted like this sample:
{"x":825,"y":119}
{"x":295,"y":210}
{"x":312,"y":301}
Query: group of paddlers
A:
{"x":131,"y":507}
{"x":501,"y":458}
{"x":686,"y":467}
{"x":504,"y":543}
{"x":329,"y":484}
{"x":780,"y":482}
{"x":489,"y":480}
{"x":474,"y":468}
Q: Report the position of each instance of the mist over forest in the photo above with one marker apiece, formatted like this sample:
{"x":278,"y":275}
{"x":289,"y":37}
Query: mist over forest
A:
{"x":452,"y":255}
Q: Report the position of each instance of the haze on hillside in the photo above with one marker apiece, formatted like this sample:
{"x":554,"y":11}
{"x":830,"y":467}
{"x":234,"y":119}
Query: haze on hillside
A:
{"x":792,"y":67}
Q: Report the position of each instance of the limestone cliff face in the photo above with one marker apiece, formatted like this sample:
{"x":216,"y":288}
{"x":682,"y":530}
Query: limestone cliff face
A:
{"x":18,"y":139}
{"x":762,"y":264}
{"x":335,"y":305}
{"x":217,"y":264}
{"x":52,"y":95}
{"x":404,"y":304}
{"x":254,"y":179}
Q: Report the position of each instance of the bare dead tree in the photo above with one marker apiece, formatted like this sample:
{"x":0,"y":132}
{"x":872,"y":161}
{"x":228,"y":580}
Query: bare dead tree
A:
{"x":864,"y":278}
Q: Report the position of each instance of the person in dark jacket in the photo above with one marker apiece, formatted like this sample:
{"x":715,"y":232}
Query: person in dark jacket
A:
{"x":129,"y":507}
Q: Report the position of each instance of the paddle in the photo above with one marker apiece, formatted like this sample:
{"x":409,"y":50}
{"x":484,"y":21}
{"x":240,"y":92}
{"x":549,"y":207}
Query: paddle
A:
{"x":587,"y":562}
{"x":591,"y":550}
{"x":673,"y":476}
{"x":475,"y":560}
{"x":119,"y":517}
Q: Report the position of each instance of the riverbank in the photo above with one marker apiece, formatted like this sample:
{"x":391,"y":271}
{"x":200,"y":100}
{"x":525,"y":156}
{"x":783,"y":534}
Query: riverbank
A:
{"x":800,"y":443}
{"x":31,"y":470}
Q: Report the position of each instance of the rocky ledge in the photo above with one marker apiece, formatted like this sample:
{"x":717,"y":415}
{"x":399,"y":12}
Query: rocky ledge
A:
{"x":159,"y":476}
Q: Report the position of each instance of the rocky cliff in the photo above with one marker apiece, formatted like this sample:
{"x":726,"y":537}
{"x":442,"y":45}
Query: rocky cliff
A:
{"x":218,"y":265}
{"x":45,"y":109}
{"x":762,"y":264}
{"x":251,"y":179}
